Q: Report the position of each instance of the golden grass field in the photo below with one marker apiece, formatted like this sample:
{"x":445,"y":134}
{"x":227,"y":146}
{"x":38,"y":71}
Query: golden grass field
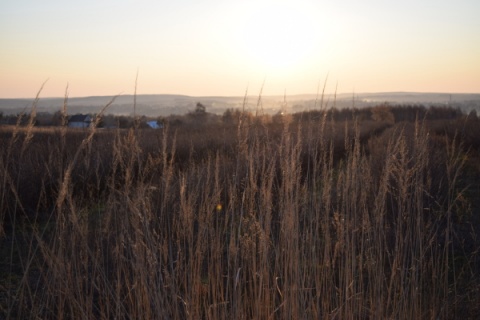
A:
{"x":370,"y":215}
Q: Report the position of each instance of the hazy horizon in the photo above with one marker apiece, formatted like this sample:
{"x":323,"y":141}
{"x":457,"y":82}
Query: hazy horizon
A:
{"x":168,"y":104}
{"x":312,"y":95}
{"x":228,"y":48}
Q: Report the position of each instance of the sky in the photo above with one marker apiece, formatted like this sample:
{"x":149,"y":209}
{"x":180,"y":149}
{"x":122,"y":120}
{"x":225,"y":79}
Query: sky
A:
{"x":229,"y":48}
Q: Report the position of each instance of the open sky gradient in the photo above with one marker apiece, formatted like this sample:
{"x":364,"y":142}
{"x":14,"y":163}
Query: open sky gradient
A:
{"x":225,"y":47}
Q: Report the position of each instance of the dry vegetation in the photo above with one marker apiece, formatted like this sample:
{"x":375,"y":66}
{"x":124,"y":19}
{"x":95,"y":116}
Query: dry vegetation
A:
{"x":305,"y":216}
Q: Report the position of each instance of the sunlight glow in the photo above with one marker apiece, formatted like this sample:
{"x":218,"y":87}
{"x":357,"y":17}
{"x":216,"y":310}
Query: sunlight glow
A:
{"x":216,"y":47}
{"x":279,"y":38}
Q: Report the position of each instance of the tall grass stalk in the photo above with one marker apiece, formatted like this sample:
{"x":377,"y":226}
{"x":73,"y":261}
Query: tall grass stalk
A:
{"x":305,"y":222}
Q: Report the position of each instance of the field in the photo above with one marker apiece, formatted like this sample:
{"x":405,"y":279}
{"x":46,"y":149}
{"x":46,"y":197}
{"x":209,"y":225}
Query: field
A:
{"x":328,"y":214}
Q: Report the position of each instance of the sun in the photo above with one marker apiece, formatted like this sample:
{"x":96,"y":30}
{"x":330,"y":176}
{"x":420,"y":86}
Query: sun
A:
{"x":278,"y":37}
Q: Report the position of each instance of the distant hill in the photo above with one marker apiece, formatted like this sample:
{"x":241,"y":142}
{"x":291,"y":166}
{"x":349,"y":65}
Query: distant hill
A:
{"x":167,"y":104}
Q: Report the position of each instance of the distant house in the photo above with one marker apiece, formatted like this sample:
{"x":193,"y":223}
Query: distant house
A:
{"x":80,"y":121}
{"x":154,"y":124}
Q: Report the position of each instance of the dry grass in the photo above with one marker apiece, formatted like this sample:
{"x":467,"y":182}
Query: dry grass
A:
{"x":290,"y":220}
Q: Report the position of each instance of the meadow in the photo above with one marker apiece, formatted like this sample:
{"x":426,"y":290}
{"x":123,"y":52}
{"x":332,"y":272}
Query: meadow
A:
{"x":326,"y":214}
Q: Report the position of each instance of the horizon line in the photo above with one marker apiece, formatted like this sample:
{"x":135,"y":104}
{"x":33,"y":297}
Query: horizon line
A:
{"x":240,"y":96}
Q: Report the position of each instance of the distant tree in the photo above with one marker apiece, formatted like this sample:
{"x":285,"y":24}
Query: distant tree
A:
{"x":59,"y":119}
{"x":200,"y":108}
{"x":98,"y":120}
{"x":443,"y":112}
{"x":142,"y":122}
{"x":383,"y":113}
{"x":174,"y":120}
{"x":109,"y":121}
{"x":472,"y":115}
{"x":161,"y":121}
{"x":199,"y":115}
{"x":278,"y":117}
{"x":228,"y":117}
{"x":23,"y":119}
{"x":44,"y":119}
